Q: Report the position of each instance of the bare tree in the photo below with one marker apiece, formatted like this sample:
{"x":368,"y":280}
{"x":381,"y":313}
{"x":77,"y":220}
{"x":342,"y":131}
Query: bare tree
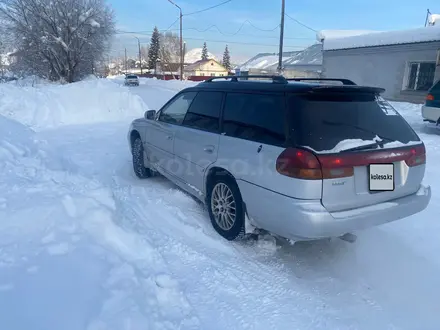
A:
{"x":169,"y":48}
{"x":58,"y":39}
{"x":144,"y":55}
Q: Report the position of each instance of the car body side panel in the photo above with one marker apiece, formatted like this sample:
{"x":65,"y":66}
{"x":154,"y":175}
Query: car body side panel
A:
{"x":255,"y":163}
{"x":159,"y":144}
{"x":194,"y":152}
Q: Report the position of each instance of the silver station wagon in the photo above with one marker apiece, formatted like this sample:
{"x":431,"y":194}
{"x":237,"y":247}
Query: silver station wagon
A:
{"x":302,"y":159}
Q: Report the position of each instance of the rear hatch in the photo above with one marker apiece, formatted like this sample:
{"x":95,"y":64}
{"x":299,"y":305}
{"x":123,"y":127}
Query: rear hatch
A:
{"x":349,"y":130}
{"x":433,"y":97}
{"x":132,"y":79}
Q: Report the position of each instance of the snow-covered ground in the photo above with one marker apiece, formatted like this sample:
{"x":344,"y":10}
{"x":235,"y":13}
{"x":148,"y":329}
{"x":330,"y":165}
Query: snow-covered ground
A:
{"x":84,"y":245}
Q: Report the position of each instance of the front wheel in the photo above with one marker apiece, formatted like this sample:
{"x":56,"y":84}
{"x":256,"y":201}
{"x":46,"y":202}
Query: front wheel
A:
{"x":226,"y":209}
{"x":139,"y":168}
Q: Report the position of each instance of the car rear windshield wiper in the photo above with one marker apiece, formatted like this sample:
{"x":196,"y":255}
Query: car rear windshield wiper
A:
{"x":334,"y":123}
{"x":365,"y":146}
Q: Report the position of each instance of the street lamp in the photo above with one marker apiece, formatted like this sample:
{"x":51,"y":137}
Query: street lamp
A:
{"x":181,"y":40}
{"x":140,"y":56}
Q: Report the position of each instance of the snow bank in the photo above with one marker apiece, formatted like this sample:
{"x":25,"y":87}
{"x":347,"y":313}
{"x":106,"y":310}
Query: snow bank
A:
{"x":425,"y":34}
{"x":89,"y":101}
{"x":16,"y":140}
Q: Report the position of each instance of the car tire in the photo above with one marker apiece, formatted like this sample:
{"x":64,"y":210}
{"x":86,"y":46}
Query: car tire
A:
{"x":222,"y":225}
{"x":139,"y":168}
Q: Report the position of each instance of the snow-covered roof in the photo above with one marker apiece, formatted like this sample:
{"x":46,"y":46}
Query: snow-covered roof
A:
{"x":434,"y":18}
{"x":195,"y":55}
{"x":425,"y":34}
{"x":310,"y":56}
{"x":261,"y":61}
{"x":333,"y":34}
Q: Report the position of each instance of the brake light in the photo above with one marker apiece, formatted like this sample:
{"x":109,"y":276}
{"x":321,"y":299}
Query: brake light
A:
{"x":302,"y":164}
{"x":417,"y":157}
{"x":430,"y":97}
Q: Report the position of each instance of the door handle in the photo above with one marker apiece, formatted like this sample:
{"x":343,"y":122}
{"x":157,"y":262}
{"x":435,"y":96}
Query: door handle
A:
{"x":209,"y":149}
{"x":169,"y":137}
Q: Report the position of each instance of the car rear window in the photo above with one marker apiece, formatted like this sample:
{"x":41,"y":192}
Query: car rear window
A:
{"x":436,"y":88}
{"x":322,"y":120}
{"x":131,"y":77}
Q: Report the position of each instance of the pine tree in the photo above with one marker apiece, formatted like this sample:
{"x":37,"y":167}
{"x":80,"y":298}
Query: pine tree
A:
{"x":227,"y":59}
{"x":153,"y":51}
{"x":204,"y":52}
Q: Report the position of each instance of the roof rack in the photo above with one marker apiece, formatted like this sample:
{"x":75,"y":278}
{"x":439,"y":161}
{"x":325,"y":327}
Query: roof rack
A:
{"x":343,"y":81}
{"x":275,"y":78}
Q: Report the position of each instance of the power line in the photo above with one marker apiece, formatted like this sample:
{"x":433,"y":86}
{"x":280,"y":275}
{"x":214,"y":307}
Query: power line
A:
{"x":209,"y":8}
{"x":236,"y":32}
{"x":302,"y":24}
{"x":218,"y":30}
{"x":221,"y":41}
{"x":171,"y":25}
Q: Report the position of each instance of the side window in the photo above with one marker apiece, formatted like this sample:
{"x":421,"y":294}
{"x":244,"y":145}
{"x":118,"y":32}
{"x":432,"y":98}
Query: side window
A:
{"x":204,"y":112}
{"x":174,"y":112}
{"x":255,"y":117}
{"x":436,"y":88}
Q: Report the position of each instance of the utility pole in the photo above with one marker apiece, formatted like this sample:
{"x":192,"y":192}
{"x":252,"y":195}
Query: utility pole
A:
{"x":427,"y":16}
{"x":184,"y":51}
{"x":280,"y":55}
{"x":125,"y":60}
{"x":140,"y":55}
{"x":181,"y":39}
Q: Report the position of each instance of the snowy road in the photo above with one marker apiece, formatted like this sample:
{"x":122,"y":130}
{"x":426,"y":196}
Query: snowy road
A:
{"x":131,"y":254}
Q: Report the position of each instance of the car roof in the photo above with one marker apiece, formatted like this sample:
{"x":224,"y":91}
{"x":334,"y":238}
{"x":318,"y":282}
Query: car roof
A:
{"x":269,"y":86}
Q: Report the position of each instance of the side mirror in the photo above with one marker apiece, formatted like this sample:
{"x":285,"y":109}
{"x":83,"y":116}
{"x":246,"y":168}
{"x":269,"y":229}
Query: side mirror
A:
{"x":150,"y":114}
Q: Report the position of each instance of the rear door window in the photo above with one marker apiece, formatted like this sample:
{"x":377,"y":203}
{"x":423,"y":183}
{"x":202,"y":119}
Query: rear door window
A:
{"x":322,"y":120}
{"x":255,"y":117}
{"x":204,"y":112}
{"x":436,"y":88}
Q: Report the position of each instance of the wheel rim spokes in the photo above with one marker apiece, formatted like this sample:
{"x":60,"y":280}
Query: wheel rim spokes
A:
{"x":223,"y":206}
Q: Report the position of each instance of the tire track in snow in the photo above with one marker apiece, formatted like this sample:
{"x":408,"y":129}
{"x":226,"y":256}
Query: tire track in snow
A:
{"x":211,"y":265}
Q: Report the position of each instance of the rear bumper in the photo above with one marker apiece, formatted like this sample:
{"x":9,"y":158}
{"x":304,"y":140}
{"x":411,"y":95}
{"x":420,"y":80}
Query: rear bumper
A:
{"x":309,"y":220}
{"x":430,"y":113}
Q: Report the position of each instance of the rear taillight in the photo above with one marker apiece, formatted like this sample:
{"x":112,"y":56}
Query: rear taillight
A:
{"x":429,"y":97}
{"x":302,"y":164}
{"x":417,"y":156}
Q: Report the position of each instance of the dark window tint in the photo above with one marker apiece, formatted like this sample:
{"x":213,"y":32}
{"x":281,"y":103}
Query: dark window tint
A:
{"x":255,"y":117}
{"x":131,"y":77}
{"x":436,"y":88}
{"x":322,"y":120}
{"x":175,"y":111}
{"x":205,"y":111}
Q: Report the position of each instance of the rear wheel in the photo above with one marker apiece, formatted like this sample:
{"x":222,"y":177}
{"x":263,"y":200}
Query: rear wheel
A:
{"x":139,"y":168}
{"x":226,"y":209}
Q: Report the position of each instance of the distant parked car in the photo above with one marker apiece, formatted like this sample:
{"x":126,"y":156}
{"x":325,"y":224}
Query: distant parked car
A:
{"x":304,"y":160}
{"x":131,"y":80}
{"x":431,"y":108}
